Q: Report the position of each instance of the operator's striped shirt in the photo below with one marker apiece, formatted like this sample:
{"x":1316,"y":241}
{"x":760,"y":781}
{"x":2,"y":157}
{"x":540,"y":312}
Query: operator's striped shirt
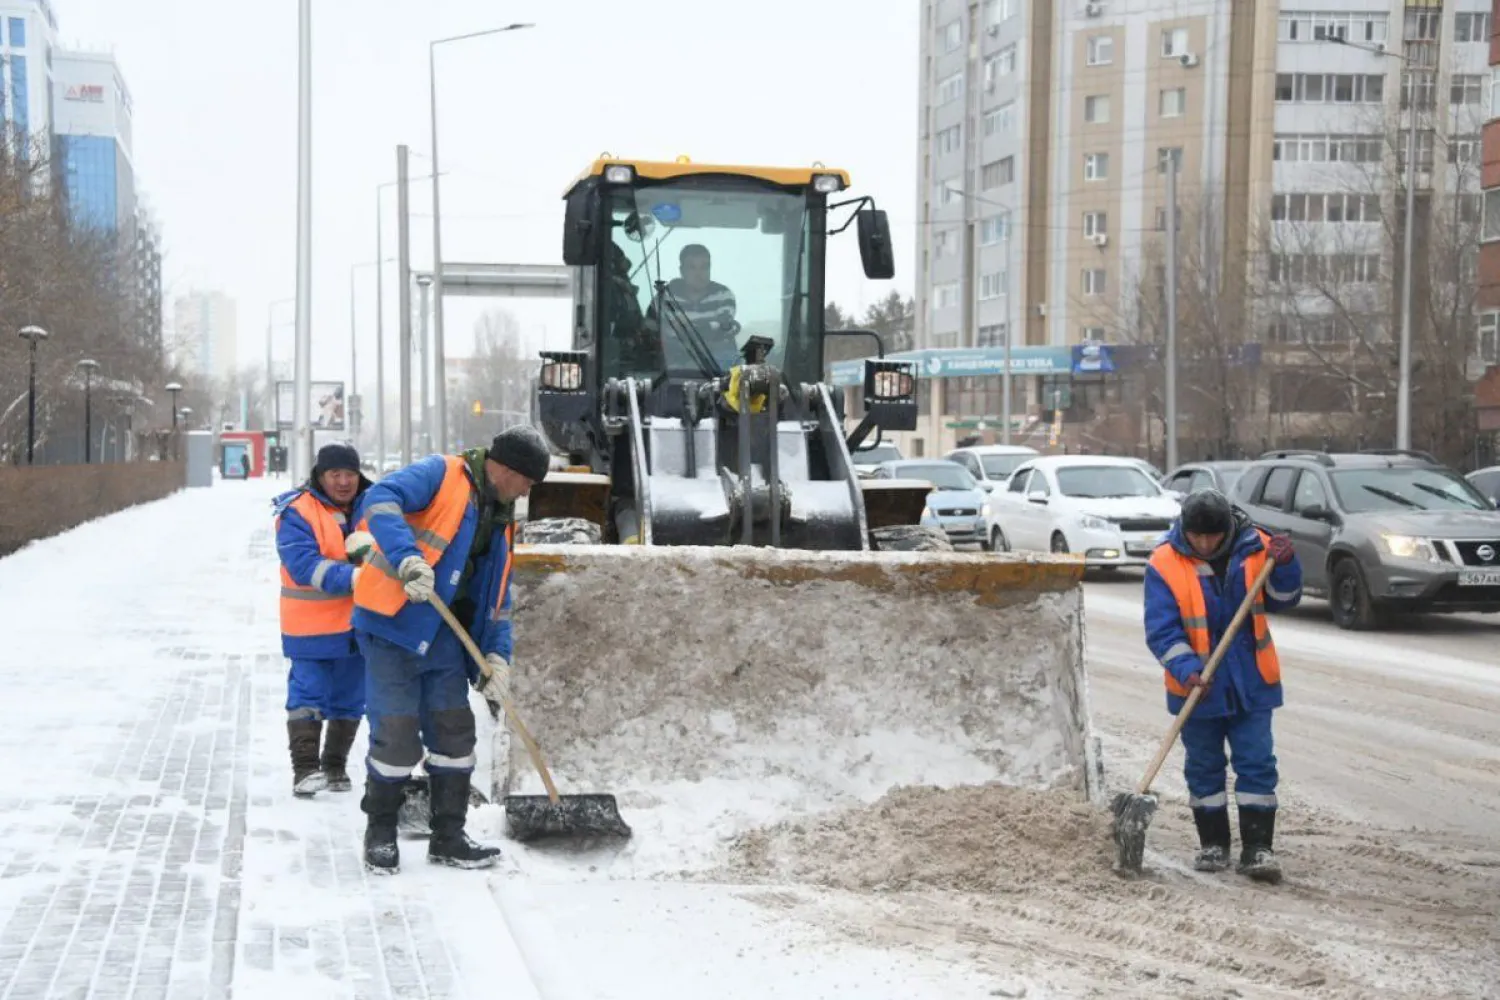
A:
{"x":710,"y":315}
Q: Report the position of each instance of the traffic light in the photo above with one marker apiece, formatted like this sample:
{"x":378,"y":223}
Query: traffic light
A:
{"x":478,"y":408}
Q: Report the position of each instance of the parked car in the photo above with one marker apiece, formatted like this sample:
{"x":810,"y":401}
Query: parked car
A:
{"x":1147,"y":467}
{"x":1196,"y":476}
{"x":991,"y":464}
{"x":1487,"y":482}
{"x":1378,"y":532}
{"x":1104,"y":507}
{"x":866,"y":461}
{"x":956,"y":503}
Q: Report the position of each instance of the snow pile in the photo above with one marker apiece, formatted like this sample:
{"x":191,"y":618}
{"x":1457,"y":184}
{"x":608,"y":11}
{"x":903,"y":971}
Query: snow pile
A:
{"x":989,"y":839}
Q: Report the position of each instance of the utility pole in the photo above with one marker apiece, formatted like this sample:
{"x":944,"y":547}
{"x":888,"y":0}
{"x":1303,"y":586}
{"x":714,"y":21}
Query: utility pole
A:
{"x":353,"y":411}
{"x":302,"y":397}
{"x":1171,"y":387}
{"x":424,"y":356}
{"x":403,"y":270}
{"x":1403,"y":383}
{"x":379,"y":341}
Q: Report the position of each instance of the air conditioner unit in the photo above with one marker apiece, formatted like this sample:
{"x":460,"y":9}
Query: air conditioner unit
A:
{"x":1093,"y":9}
{"x":1041,"y":309}
{"x":1188,"y":60}
{"x":992,"y":30}
{"x":1099,"y":240}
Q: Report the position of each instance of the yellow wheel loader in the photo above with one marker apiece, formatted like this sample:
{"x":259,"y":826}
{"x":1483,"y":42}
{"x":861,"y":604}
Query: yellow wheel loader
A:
{"x":710,"y":592}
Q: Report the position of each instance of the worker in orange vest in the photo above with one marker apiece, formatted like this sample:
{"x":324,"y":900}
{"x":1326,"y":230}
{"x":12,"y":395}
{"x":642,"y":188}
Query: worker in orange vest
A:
{"x":444,"y":525}
{"x":326,"y":683}
{"x":1195,"y":582}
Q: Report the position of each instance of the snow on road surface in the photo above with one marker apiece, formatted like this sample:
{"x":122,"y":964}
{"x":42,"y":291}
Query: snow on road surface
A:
{"x":149,"y":845}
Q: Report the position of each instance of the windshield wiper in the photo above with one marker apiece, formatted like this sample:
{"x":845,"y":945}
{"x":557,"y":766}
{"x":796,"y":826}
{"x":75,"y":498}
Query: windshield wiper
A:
{"x":686,"y":331}
{"x":1392,"y":496}
{"x":1435,"y":491}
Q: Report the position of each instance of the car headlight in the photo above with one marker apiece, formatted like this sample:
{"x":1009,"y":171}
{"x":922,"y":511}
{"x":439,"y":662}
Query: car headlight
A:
{"x":1093,"y":523}
{"x":984,"y":509}
{"x":1409,"y":547}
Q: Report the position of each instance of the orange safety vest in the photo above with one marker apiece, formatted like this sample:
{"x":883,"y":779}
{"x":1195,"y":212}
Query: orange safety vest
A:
{"x":433,"y":528}
{"x":306,"y":610}
{"x":1182,"y":574}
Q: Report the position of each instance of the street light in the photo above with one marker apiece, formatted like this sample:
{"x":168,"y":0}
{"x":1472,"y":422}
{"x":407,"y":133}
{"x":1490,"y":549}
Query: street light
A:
{"x":440,"y":390}
{"x":33,"y":334}
{"x":174,"y":388}
{"x":1403,"y":381}
{"x":88,"y":366}
{"x":187,"y":411}
{"x":380,"y":318}
{"x":424,"y":284}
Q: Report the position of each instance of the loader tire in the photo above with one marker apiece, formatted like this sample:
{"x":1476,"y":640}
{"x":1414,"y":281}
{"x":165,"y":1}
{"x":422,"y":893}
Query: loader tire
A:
{"x":561,"y":531}
{"x":909,"y":538}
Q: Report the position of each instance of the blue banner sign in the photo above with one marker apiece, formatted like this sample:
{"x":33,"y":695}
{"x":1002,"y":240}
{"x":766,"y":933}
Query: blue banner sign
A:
{"x":968,"y":362}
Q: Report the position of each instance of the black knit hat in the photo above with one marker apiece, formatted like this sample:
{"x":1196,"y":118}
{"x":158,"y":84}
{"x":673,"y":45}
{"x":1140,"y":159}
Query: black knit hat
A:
{"x":337,"y":456}
{"x":522,"y":450}
{"x":1207,"y":512}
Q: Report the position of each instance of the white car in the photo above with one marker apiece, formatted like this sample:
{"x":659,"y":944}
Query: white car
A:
{"x":867,"y":460}
{"x":991,"y":464}
{"x":1105,"y":508}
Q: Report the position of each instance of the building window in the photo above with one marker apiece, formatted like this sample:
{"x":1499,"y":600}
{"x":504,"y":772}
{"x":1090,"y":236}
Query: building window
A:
{"x":994,"y":229}
{"x":949,"y":190}
{"x":951,"y":139}
{"x":1469,"y":27}
{"x":1168,"y":156}
{"x":943,"y":243}
{"x":994,"y":285}
{"x":1091,"y":334}
{"x":1463,"y":149}
{"x":1466,"y":88}
{"x":993,"y":335}
{"x":1002,"y":63}
{"x":1487,"y":341}
{"x":1468,"y":208}
{"x":1329,"y":88}
{"x":1095,"y":223}
{"x":950,"y":88}
{"x":1001,"y":120}
{"x":998,"y":174}
{"x":1174,"y":43}
{"x":1095,"y":166}
{"x":1307,"y":26}
{"x":953,"y":35}
{"x":1422,"y":25}
{"x":1335,"y":269}
{"x":1101,"y":50}
{"x":18,"y":32}
{"x":1490,"y":228}
{"x":1093,"y":281}
{"x":1426,"y":142}
{"x":1294,"y":148}
{"x":1426,"y":84}
{"x":1161,"y":220}
{"x":1172,"y":103}
{"x":1337,"y":208}
{"x":1096,"y":109}
{"x":945,"y":296}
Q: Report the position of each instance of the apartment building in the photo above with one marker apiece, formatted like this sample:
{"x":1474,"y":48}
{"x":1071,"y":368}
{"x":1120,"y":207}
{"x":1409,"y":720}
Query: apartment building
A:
{"x":1489,"y":248}
{"x":1287,"y":127}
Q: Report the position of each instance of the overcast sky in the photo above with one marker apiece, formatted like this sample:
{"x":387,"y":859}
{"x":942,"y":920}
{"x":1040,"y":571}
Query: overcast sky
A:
{"x":215,"y":89}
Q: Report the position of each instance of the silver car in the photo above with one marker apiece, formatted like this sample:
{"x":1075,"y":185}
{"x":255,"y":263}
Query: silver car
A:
{"x":1379,"y":532}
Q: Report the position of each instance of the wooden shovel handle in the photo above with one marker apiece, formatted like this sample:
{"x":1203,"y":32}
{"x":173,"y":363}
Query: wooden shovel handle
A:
{"x":510,"y":710}
{"x":1196,"y":694}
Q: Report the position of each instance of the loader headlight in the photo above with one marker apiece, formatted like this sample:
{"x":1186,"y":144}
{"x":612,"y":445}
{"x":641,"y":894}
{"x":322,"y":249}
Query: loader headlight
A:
{"x":619,"y":173}
{"x":1408,"y":547}
{"x":827,"y":183}
{"x":893,"y":385}
{"x":562,"y":371}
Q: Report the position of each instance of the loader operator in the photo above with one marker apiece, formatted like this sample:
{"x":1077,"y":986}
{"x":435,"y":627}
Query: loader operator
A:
{"x":326,"y":682}
{"x":444,"y":526}
{"x":1195,"y":582}
{"x":695,"y":305}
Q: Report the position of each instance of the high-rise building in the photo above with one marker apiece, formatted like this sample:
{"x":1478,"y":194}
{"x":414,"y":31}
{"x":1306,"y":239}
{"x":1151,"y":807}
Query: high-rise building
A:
{"x":28,"y":34}
{"x":204,"y":333}
{"x":1046,"y":131}
{"x":91,"y":131}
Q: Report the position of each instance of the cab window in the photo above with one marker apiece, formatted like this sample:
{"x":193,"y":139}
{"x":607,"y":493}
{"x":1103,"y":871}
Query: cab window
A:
{"x":1018,"y":481}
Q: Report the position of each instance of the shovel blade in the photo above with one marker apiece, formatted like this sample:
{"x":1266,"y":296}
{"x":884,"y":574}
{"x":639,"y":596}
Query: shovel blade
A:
{"x":531,"y":818}
{"x":1133,"y":814}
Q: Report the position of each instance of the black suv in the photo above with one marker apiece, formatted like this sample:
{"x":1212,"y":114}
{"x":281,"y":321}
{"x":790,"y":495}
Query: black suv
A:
{"x":1379,"y":531}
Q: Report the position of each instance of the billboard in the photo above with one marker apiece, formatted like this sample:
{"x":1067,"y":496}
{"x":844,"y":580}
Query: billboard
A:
{"x":325,"y":406}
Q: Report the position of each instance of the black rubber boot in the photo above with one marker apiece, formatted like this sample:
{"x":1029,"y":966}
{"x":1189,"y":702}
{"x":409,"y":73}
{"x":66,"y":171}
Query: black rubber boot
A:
{"x":336,"y":743}
{"x":380,"y":802}
{"x":1257,"y":859}
{"x":302,"y":739}
{"x":449,"y":844}
{"x":1213,"y":839}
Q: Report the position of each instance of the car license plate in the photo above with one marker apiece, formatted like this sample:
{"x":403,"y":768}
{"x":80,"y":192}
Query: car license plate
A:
{"x":1140,"y":548}
{"x":1479,"y":578}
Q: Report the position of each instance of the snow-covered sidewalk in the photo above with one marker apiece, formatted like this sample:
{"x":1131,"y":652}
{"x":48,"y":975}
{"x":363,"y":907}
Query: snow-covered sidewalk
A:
{"x":150,"y":845}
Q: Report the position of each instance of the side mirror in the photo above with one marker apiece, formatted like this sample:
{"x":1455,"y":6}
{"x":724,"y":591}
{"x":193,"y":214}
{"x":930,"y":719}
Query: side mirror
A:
{"x":581,"y":232}
{"x":1317,"y":512}
{"x":1037,"y":496}
{"x":875,"y":250}
{"x":986,"y":485}
{"x":1177,"y":495}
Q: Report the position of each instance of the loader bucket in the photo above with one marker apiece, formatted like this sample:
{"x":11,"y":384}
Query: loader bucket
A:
{"x":712,"y":689}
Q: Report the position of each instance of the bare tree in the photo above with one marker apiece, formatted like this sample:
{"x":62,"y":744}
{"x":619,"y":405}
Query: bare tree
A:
{"x":497,"y":381}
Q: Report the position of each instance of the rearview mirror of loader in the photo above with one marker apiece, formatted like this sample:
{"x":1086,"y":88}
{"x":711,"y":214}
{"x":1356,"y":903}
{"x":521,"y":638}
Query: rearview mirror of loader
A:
{"x":875,"y":250}
{"x":581,"y":232}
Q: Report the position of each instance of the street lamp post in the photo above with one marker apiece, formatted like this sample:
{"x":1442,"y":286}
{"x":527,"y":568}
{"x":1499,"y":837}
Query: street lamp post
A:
{"x":424,"y":284}
{"x":1403,"y":378}
{"x":88,"y":366}
{"x":380,"y":322}
{"x":187,"y":411}
{"x":34,"y":335}
{"x":174,"y":388}
{"x":440,"y":390}
{"x":302,"y":373}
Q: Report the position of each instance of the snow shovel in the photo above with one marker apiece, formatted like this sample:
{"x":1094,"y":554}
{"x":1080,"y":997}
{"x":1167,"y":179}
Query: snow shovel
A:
{"x":539,"y":817}
{"x":1134,"y":811}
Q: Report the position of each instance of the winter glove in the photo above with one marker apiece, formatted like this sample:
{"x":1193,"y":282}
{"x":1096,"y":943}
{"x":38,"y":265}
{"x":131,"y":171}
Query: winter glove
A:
{"x":354,"y":578}
{"x":1280,"y":549}
{"x":1195,"y":680}
{"x":359,"y":545}
{"x":417,"y":579}
{"x":497,"y":688}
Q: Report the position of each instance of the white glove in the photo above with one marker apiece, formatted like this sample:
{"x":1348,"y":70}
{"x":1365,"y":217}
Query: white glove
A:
{"x":417,"y":579}
{"x":359,"y":545}
{"x":354,"y":578}
{"x":497,"y":688}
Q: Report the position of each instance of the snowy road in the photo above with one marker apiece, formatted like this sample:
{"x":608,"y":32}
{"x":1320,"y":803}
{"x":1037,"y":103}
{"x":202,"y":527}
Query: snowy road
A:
{"x":149,"y":846}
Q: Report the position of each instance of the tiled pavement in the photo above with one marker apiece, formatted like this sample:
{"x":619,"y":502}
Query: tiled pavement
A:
{"x":149,"y":843}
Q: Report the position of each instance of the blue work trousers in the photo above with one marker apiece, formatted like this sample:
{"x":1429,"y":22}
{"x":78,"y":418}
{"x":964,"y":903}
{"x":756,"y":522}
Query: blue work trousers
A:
{"x":417,"y":701}
{"x":1248,"y":735}
{"x":326,"y":689}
